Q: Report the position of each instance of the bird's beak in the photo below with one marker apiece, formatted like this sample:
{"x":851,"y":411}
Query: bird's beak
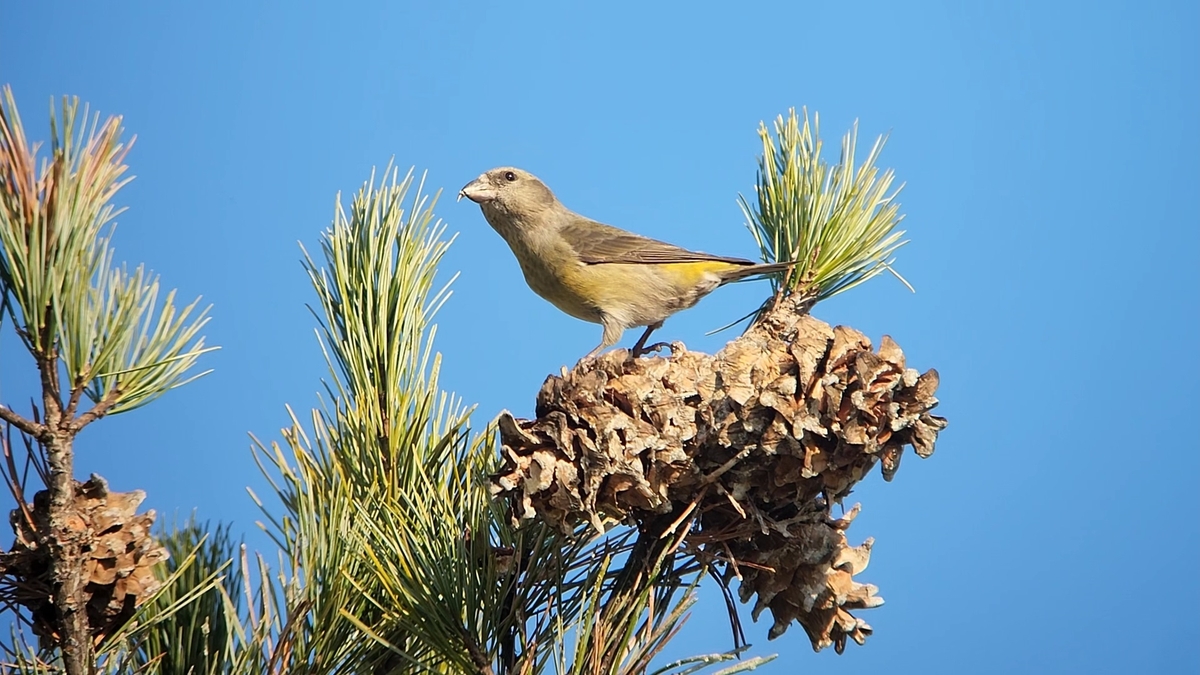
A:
{"x":478,"y":191}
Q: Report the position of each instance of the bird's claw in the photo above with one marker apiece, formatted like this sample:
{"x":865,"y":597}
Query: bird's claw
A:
{"x":654,"y":348}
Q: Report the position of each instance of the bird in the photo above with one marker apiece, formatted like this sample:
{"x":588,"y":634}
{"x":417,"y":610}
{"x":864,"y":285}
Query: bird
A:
{"x":597,"y":272}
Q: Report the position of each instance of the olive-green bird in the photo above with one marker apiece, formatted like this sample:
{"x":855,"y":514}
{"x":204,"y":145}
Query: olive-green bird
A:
{"x":594,"y":271}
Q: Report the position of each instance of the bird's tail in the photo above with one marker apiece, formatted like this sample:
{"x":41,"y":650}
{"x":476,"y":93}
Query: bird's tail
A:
{"x":744,"y":271}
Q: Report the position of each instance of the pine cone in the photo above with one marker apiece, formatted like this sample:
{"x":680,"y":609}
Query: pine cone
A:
{"x":118,"y":559}
{"x":763,"y":437}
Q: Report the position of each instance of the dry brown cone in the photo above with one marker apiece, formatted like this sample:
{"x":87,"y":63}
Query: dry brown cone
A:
{"x":756,"y":442}
{"x":119,"y":557}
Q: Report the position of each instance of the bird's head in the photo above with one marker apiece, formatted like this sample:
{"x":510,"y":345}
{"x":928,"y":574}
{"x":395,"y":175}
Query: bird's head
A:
{"x":510,"y":191}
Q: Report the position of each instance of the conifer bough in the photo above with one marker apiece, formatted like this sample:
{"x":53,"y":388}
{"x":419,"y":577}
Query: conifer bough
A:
{"x":96,"y":331}
{"x":745,"y":451}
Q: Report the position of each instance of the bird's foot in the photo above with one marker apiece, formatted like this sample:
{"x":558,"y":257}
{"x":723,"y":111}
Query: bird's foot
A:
{"x":587,"y":358}
{"x":654,"y":348}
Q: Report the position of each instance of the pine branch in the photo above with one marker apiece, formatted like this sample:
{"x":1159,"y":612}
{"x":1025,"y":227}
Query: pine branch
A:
{"x":837,"y":222}
{"x":483,"y":665}
{"x":27,"y":426}
{"x":63,"y":541}
{"x":97,"y":411}
{"x":76,"y":311}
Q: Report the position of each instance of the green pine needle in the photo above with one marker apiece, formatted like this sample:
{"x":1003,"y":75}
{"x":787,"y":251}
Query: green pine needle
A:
{"x":69,"y":299}
{"x":837,"y":222}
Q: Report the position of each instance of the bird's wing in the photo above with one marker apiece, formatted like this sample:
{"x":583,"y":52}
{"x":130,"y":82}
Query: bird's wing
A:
{"x":597,"y":243}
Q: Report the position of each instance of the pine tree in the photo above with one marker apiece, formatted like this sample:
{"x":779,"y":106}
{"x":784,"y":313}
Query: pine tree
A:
{"x":83,"y":559}
{"x":411,"y":540}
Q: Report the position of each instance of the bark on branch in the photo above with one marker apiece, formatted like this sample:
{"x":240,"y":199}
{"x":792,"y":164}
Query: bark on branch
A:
{"x":27,"y":426}
{"x":65,"y":543}
{"x":78,"y":546}
{"x":96,"y":412}
{"x":63,"y":538}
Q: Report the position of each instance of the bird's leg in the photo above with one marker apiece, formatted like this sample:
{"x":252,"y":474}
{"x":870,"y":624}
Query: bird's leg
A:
{"x":612,"y":335}
{"x":640,"y":347}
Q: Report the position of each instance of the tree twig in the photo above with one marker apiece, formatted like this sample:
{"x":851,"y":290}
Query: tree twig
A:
{"x":479,"y":659}
{"x":63,"y":541}
{"x":28,"y":426}
{"x":47,"y":363}
{"x":73,"y":404}
{"x":99,"y":410}
{"x":14,"y":483}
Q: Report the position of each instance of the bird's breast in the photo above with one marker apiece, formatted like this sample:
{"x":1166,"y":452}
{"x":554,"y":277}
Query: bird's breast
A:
{"x":558,"y":277}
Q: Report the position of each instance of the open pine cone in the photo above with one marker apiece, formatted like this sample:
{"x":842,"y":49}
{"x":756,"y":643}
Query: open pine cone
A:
{"x":761,"y":438}
{"x":119,"y":557}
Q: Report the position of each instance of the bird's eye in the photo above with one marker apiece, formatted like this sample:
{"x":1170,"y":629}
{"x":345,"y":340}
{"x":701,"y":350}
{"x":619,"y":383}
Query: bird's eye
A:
{"x":510,"y":176}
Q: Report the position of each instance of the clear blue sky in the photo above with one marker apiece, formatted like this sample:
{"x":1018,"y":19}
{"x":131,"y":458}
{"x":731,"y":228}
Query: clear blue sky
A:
{"x":1050,"y":153}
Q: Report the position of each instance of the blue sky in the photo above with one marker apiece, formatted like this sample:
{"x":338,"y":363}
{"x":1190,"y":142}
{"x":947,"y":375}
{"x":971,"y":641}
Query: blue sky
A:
{"x":1049,"y":151}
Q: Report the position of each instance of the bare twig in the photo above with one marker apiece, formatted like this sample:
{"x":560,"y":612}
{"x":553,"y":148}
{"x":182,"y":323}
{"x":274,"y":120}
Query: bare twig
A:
{"x":28,"y":426}
{"x":99,"y":410}
{"x":479,"y":658}
{"x":77,"y":390}
{"x":720,"y":470}
{"x":15,"y":485}
{"x":281,"y":655}
{"x":47,"y":362}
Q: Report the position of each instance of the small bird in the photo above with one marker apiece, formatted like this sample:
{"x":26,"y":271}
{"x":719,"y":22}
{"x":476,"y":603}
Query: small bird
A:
{"x":594,"y":271}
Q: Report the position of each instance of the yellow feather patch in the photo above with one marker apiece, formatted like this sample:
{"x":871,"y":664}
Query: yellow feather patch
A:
{"x":692,"y":273}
